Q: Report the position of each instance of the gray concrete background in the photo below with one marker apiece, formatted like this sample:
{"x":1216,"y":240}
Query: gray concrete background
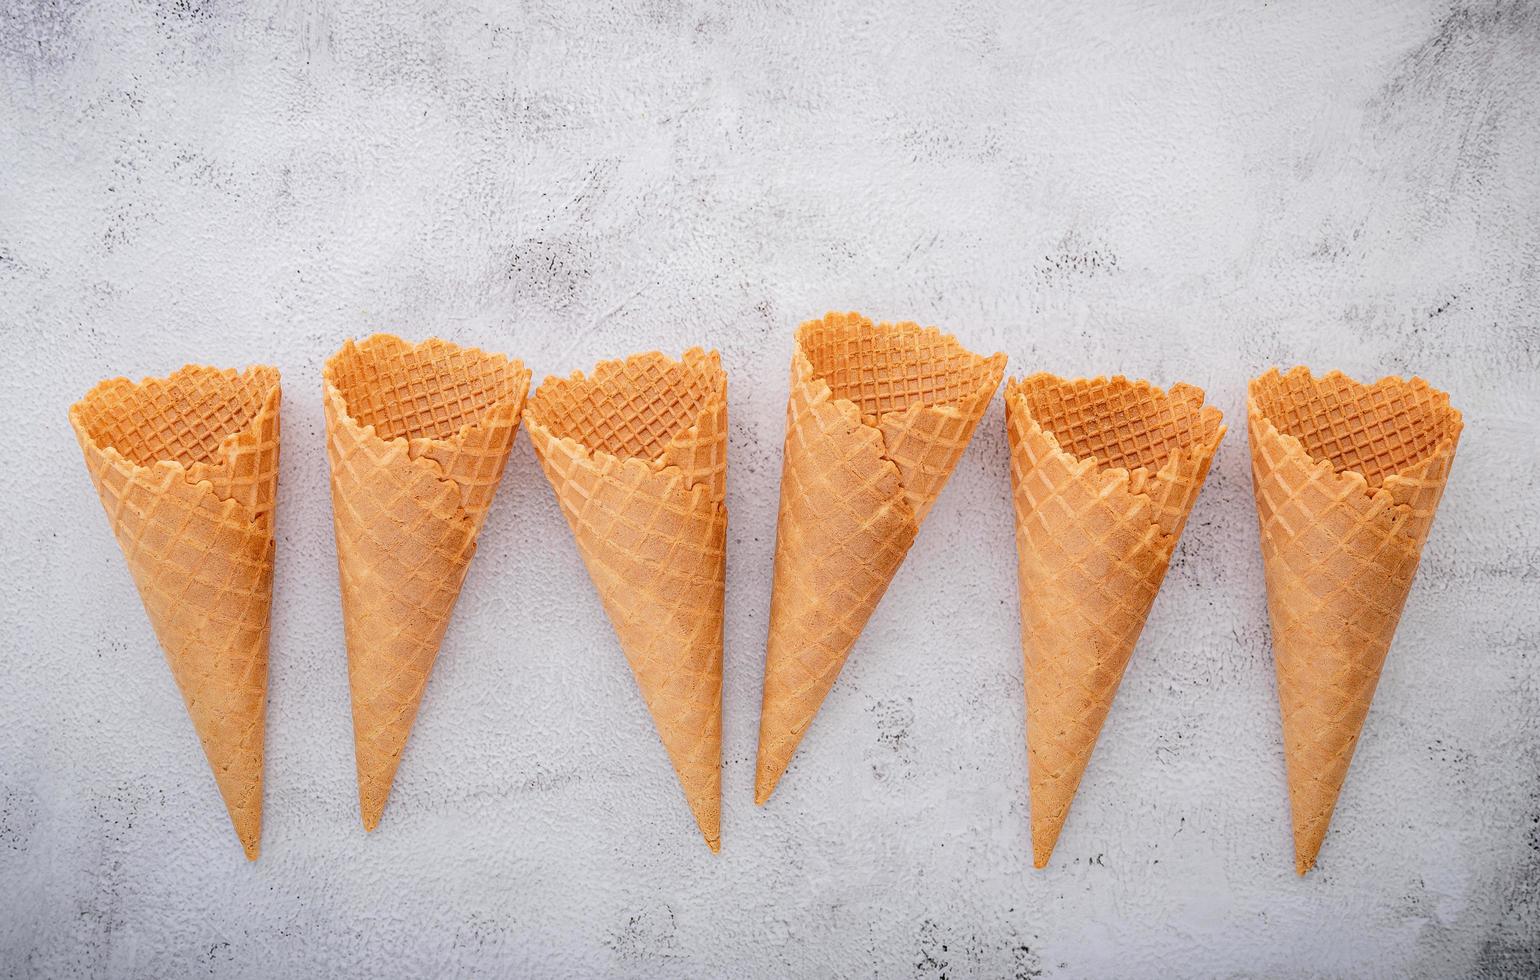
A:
{"x":1178,"y":191}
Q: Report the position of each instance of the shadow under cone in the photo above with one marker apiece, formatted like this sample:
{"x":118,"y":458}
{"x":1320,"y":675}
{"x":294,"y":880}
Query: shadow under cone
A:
{"x":417,"y":436}
{"x":1347,"y":477}
{"x":637,"y":457}
{"x":877,"y":417}
{"x":187,"y":469}
{"x":1103,"y":475}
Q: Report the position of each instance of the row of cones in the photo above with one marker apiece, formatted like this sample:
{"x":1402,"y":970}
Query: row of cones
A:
{"x":1104,"y":473}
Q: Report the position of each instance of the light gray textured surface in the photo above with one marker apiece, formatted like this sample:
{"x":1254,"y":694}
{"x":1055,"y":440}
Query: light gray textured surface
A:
{"x":1176,"y":191}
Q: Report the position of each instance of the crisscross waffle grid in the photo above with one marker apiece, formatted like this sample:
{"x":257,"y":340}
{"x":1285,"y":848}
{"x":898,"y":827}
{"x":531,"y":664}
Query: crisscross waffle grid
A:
{"x":474,"y":461}
{"x":634,"y":409}
{"x":153,"y":420}
{"x":1123,"y":423}
{"x":925,"y":444}
{"x":1339,"y":555}
{"x":656,"y":554}
{"x":1093,"y":544}
{"x":889,"y":367}
{"x":428,"y":390}
{"x":209,"y":607}
{"x":700,"y":451}
{"x":1377,"y":430}
{"x":876,"y":421}
{"x":208,"y":421}
{"x":644,"y":501}
{"x":843,"y":530}
{"x":186,"y":469}
{"x":919,"y":387}
{"x":408,"y":500}
{"x":1129,"y":425}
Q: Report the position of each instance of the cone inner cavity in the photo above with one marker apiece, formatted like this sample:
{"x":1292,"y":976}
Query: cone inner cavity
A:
{"x":889,"y":367}
{"x":428,"y":391}
{"x":1377,"y":430}
{"x":184,"y":418}
{"x":632,"y":409}
{"x":1123,"y":424}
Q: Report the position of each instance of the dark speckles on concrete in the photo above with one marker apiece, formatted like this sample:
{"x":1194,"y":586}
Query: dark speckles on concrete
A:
{"x":893,"y":756}
{"x":39,"y":36}
{"x":948,"y":951}
{"x":549,"y":272}
{"x":188,"y":10}
{"x":1076,"y":257}
{"x":645,"y":937}
{"x":20,"y":815}
{"x":1468,"y":30}
{"x":1512,"y":945}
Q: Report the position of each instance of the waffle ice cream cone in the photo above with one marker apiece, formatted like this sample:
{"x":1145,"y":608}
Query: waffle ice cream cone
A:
{"x":187,"y":469}
{"x":878,"y":417}
{"x":637,"y":457}
{"x":417,"y":435}
{"x":1347,"y":477}
{"x":1103,"y":475}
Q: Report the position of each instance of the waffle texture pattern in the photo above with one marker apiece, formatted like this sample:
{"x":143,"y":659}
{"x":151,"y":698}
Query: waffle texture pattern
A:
{"x":417,"y":435}
{"x":878,"y":416}
{"x":187,"y":469}
{"x":637,"y":457}
{"x":1347,"y":477}
{"x":1103,"y":475}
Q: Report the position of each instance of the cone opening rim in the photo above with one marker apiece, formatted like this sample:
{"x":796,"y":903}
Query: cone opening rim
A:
{"x":502,"y":379}
{"x":1201,"y":427}
{"x":696,"y":379}
{"x":923,"y":355}
{"x":1439,"y":422}
{"x":242,"y":398}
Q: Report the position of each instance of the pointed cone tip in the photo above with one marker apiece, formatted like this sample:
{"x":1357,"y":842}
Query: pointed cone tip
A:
{"x":1045,"y":837}
{"x":1042,"y":850}
{"x":764,"y":785}
{"x":1303,"y":863}
{"x":708,"y":822}
{"x":248,"y":830}
{"x":1306,"y":850}
{"x":371,"y":804}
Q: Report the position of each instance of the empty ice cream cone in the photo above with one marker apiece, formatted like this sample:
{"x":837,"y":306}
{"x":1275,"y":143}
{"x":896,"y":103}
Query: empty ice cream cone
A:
{"x":187,"y":469}
{"x":878,"y":417}
{"x":637,"y":456}
{"x":417,"y":435}
{"x":1103,"y":474}
{"x":1347,"y":477}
